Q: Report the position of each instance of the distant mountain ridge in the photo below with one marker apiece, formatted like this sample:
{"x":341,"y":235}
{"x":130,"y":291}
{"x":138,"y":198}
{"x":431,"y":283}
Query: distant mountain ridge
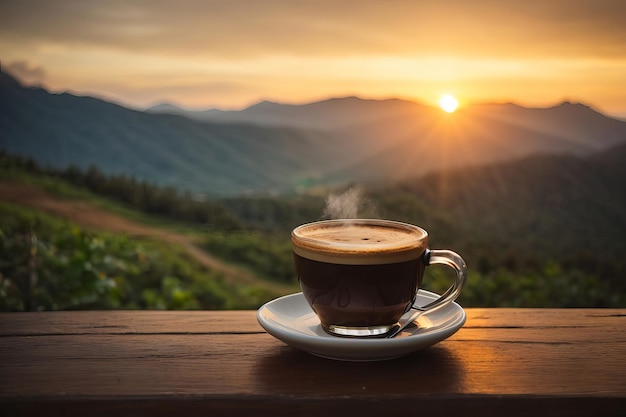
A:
{"x":328,"y":114}
{"x":216,"y":159}
{"x":573,"y":121}
{"x":568,"y":120}
{"x":276,"y":148}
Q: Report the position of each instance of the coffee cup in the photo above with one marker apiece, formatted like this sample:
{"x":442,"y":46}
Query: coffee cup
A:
{"x":361,"y":276}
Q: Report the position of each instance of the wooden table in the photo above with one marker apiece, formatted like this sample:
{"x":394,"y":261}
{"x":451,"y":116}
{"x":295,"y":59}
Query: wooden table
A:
{"x":503,"y":362}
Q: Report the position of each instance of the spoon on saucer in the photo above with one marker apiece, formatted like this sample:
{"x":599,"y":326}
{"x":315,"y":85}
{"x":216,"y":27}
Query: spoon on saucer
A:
{"x":444,"y":299}
{"x":414,"y":315}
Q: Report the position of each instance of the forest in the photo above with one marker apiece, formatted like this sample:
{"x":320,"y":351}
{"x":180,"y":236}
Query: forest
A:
{"x":529,"y":231}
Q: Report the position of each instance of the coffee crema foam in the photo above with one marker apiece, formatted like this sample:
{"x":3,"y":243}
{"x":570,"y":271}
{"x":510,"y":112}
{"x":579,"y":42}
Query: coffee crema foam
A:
{"x":359,"y":241}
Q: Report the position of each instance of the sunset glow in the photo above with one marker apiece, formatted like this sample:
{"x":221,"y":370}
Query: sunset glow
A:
{"x":448,"y":103}
{"x":234,"y":54}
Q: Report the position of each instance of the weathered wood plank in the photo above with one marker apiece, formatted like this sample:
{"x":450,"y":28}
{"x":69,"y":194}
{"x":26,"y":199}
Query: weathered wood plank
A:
{"x":128,"y":322}
{"x":258,"y":364}
{"x":277,"y":405}
{"x":178,"y":322}
{"x":504,"y":361}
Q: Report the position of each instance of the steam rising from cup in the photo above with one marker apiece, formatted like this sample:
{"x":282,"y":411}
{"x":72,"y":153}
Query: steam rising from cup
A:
{"x":347,"y":205}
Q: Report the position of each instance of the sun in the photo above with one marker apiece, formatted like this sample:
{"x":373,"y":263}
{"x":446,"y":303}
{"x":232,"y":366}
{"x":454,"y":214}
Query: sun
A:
{"x":448,"y":103}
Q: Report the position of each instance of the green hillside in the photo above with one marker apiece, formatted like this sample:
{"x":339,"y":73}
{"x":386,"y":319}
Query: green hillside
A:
{"x":540,"y":231}
{"x":47,"y":263}
{"x":296,"y":148}
{"x":59,"y":130}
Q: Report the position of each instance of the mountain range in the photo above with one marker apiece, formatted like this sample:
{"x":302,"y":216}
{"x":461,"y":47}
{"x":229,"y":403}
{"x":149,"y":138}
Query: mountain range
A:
{"x":280,"y":148}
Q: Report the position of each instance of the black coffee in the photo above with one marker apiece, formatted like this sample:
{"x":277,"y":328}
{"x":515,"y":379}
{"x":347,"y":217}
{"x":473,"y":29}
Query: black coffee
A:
{"x":359,"y":295}
{"x":359,"y":274}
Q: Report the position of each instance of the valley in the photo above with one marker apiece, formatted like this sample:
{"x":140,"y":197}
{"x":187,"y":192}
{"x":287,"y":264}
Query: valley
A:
{"x":132,"y":209}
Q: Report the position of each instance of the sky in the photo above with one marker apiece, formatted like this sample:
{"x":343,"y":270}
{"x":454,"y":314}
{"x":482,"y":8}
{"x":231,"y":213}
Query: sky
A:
{"x":232,"y":54}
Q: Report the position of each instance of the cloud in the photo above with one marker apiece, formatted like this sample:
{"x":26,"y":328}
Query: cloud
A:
{"x":243,"y":29}
{"x":235,"y":52}
{"x":26,"y":73}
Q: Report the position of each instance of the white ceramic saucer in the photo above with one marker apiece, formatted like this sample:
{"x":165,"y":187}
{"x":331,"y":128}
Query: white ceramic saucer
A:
{"x":291,"y":320}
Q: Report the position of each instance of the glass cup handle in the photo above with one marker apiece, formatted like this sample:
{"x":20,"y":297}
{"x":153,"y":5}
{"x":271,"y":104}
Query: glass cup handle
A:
{"x":433,"y":257}
{"x":454,"y":261}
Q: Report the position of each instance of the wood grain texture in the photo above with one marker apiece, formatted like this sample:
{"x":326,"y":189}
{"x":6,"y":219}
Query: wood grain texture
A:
{"x":503,"y":361}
